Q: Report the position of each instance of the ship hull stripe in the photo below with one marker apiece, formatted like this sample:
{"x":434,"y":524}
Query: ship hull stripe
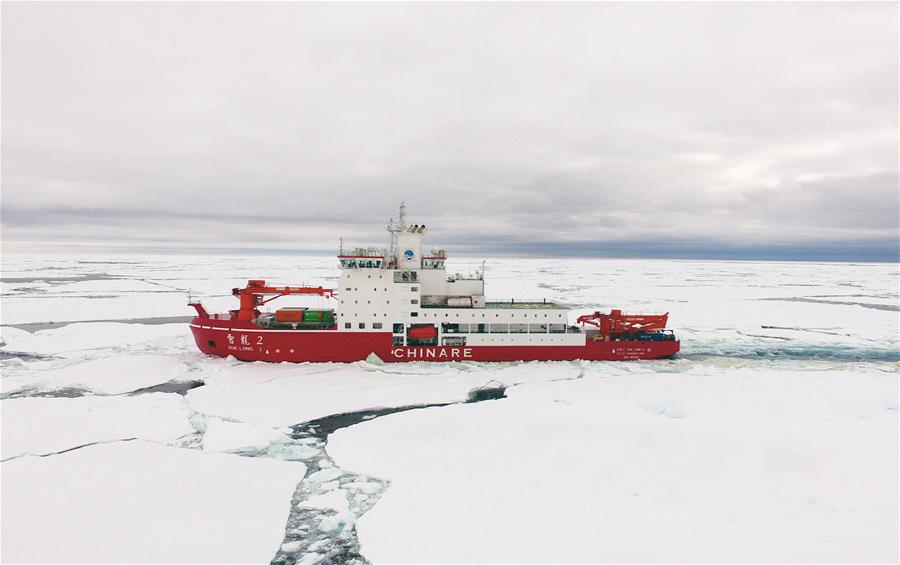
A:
{"x":298,"y":346}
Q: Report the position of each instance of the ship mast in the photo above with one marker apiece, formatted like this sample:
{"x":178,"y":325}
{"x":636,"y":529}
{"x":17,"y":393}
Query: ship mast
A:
{"x":394,"y":229}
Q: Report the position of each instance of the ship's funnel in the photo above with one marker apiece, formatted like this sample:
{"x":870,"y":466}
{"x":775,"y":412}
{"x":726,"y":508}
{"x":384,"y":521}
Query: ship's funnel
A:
{"x":422,"y":228}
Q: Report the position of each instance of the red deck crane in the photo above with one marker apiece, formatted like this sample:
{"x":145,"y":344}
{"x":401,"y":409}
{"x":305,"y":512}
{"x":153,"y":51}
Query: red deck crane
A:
{"x":616,"y":323}
{"x":256,"y":291}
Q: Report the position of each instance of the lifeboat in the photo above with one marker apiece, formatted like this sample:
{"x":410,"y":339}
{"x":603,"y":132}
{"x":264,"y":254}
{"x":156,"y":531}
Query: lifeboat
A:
{"x":422,"y":332}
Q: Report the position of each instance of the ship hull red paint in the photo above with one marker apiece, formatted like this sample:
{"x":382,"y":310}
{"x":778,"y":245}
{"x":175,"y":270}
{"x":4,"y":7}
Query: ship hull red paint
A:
{"x":247,"y":342}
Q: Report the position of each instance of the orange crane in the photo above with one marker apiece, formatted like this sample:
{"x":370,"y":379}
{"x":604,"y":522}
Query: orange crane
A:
{"x":615,"y":323}
{"x":254,"y":295}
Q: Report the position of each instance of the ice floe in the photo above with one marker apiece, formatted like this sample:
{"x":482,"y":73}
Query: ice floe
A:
{"x":40,"y":426}
{"x":138,"y":502}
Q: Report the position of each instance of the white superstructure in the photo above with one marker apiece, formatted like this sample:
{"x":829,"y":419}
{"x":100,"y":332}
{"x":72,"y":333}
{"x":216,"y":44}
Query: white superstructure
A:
{"x":407,"y":291}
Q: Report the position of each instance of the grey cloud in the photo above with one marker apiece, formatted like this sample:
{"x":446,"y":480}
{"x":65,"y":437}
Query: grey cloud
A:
{"x":534,"y":126}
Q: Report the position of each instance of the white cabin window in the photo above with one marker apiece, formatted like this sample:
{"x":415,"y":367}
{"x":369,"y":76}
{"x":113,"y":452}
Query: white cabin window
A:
{"x":376,"y":326}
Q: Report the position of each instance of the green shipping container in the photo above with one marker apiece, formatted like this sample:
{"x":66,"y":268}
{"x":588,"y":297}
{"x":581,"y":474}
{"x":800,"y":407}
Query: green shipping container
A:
{"x":324,"y":316}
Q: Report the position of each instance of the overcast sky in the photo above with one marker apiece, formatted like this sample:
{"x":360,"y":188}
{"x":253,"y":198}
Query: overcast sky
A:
{"x":695,"y":129}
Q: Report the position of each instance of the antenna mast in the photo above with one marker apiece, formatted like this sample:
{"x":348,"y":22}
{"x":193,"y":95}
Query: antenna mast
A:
{"x":394,"y":229}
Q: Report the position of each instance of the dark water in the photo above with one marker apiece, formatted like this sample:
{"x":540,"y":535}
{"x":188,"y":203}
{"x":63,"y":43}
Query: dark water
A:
{"x":176,"y":387}
{"x":65,"y":392}
{"x":796,"y":353}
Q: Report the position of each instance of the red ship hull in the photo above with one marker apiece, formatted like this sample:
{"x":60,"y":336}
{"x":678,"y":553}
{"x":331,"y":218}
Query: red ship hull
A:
{"x":247,"y":342}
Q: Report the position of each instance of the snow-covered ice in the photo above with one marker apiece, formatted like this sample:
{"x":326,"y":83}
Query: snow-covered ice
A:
{"x":40,"y":426}
{"x":232,"y":436}
{"x":783,"y":466}
{"x":116,"y":373}
{"x":138,"y":502}
{"x":772,"y":436}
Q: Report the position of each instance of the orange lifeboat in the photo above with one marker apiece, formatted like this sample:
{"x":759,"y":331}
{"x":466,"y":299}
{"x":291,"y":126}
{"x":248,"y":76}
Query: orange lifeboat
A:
{"x":422,"y":332}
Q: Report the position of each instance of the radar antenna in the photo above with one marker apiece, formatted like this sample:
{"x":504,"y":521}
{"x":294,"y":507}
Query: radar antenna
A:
{"x":402,"y":217}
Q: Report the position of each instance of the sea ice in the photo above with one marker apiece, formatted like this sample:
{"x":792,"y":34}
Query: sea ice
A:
{"x":47,"y":425}
{"x":137,"y":502}
{"x":333,"y":500}
{"x":772,"y":437}
{"x":116,"y":373}
{"x":804,"y":460}
{"x":79,"y":337}
{"x":233,"y":436}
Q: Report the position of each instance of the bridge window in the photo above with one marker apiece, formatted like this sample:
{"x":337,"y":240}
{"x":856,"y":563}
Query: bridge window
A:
{"x":405,"y":276}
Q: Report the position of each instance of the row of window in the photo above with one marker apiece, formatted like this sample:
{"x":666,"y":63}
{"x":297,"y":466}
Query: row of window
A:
{"x":362,"y":325}
{"x":508,"y":328}
{"x":457,"y":341}
{"x":412,"y":301}
{"x":412,"y":289}
{"x":446,"y":314}
{"x":484,"y":328}
{"x":360,"y":263}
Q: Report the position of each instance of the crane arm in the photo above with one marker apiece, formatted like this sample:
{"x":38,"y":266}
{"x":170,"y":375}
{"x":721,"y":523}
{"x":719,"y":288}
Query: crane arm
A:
{"x":616,"y":323}
{"x":253,"y":295}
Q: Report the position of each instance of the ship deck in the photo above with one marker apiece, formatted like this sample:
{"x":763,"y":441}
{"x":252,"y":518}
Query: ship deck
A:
{"x":525,"y":304}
